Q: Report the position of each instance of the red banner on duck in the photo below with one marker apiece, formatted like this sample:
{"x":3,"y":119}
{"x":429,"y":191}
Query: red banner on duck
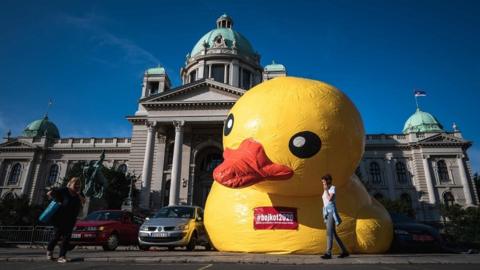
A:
{"x":275,"y":218}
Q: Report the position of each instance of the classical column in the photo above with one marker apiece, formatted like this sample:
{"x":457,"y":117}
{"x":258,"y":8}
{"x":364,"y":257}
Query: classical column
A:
{"x":147,"y":167}
{"x":26,"y":186}
{"x":465,"y":184}
{"x":177,"y":162}
{"x":428,"y":179}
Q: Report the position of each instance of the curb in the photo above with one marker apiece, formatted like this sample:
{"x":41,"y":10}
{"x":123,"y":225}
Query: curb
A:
{"x":236,"y":260}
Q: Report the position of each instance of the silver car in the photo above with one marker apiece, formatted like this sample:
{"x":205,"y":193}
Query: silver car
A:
{"x":174,"y":226}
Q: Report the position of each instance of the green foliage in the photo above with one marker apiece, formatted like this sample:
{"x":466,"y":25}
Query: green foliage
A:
{"x":117,"y":189}
{"x":75,"y":171}
{"x":17,"y":211}
{"x":398,"y":206}
{"x":461,"y":223}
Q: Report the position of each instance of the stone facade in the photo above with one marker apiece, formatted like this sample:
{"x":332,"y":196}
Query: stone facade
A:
{"x":177,"y":140}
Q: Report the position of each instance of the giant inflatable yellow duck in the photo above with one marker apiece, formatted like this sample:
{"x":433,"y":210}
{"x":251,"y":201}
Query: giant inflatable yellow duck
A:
{"x":279,"y":139}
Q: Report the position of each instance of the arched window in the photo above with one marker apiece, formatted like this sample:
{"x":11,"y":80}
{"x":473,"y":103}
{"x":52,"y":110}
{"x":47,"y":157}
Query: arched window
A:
{"x":211,"y":161}
{"x":122,"y":168}
{"x":375,"y":173}
{"x":401,"y":173}
{"x":53,"y":174}
{"x":170,"y":153}
{"x":15,"y":174}
{"x":166,"y":193}
{"x":442,"y":171}
{"x":378,"y":196}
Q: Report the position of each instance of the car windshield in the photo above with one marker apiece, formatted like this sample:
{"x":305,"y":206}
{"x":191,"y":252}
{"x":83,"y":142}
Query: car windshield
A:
{"x":175,"y":212}
{"x":400,"y":218}
{"x":104,"y":215}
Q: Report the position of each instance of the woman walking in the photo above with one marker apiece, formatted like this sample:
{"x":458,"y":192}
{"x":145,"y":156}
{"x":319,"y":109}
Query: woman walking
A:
{"x":331,"y":217}
{"x":71,"y":201}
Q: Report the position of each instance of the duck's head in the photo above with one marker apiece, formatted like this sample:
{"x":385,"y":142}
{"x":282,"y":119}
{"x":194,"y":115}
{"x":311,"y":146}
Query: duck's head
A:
{"x":284,"y":134}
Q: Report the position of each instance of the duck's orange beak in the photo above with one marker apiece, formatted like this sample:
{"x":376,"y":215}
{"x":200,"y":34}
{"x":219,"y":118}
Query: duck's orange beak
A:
{"x":248,"y":165}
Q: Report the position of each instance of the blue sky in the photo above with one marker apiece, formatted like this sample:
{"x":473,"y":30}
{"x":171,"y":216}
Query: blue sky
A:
{"x":89,"y":56}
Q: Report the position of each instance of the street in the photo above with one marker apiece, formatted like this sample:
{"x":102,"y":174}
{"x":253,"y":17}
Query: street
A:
{"x":218,"y":266}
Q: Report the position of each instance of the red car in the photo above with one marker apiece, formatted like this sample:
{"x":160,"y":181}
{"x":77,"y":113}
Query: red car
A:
{"x":106,"y":228}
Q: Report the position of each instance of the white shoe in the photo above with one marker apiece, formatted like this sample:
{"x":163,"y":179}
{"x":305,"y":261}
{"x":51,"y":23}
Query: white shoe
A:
{"x":62,"y":260}
{"x":49,"y":255}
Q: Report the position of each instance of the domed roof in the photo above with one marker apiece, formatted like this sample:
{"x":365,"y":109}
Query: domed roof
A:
{"x":274,"y":67}
{"x":155,"y":71}
{"x":224,"y":33}
{"x":41,"y":127}
{"x":422,"y":122}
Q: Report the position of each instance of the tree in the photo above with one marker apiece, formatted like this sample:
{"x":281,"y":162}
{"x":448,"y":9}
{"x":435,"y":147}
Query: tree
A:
{"x":117,"y":189}
{"x":17,"y":211}
{"x":462,"y":223}
{"x":398,"y":206}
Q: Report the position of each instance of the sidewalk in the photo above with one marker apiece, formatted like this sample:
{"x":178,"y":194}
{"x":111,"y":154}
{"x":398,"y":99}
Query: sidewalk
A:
{"x":125,"y":254}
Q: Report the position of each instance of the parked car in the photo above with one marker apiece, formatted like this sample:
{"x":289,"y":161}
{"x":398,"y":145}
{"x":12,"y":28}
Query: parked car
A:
{"x":412,"y":236}
{"x":107,"y":228}
{"x":174,"y":226}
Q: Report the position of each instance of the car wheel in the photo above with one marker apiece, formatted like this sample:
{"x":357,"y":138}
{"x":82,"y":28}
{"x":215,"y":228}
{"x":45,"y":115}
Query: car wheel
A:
{"x":112,"y":243}
{"x":192,"y":243}
{"x":171,"y":248}
{"x":144,"y":247}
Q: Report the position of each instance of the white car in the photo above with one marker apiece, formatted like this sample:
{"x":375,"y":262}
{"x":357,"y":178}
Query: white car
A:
{"x":174,"y":226}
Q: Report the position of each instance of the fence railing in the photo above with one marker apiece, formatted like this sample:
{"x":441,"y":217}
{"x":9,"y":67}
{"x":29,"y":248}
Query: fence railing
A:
{"x":26,"y":234}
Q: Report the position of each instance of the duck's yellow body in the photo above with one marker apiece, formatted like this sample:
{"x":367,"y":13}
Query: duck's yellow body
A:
{"x":273,"y":114}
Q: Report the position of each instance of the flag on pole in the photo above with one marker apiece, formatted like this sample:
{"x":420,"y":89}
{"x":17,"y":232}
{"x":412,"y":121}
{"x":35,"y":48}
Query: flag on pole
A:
{"x":420,"y":93}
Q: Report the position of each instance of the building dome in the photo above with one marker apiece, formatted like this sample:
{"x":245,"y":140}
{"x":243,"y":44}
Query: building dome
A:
{"x":155,"y":71}
{"x":422,"y":122}
{"x":223,"y":36}
{"x":275,"y":67}
{"x":41,"y":127}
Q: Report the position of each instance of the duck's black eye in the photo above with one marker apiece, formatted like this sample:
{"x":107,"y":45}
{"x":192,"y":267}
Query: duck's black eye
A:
{"x":228,"y":126}
{"x":305,"y":144}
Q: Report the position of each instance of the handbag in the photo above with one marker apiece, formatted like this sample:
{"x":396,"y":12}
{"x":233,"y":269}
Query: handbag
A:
{"x":48,"y":213}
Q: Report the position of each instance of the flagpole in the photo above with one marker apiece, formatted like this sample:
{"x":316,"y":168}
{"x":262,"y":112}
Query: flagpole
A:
{"x":416,"y":101}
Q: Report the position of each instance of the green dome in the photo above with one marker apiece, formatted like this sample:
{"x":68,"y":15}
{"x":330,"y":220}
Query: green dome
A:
{"x":229,"y":36}
{"x":41,"y":127}
{"x":156,"y":71}
{"x":274,"y":67}
{"x":422,"y":122}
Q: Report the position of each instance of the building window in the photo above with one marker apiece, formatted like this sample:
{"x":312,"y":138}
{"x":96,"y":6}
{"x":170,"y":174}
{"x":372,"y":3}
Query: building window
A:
{"x":375,"y":173}
{"x":442,"y":171}
{"x":218,"y":72}
{"x":193,"y":76}
{"x":122,"y":168}
{"x":246,"y":82}
{"x":53,"y":174}
{"x":401,"y":173}
{"x":15,"y":174}
{"x":210,"y":162}
{"x":153,"y":87}
{"x":448,"y":198}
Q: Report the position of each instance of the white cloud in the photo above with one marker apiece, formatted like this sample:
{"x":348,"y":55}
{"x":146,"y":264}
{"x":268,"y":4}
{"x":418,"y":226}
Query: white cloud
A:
{"x":133,"y":53}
